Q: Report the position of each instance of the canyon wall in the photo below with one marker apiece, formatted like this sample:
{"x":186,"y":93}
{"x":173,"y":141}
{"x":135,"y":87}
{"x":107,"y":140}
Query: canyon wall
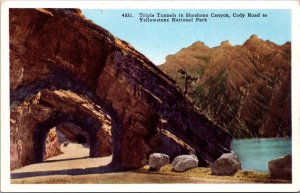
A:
{"x":245,"y":88}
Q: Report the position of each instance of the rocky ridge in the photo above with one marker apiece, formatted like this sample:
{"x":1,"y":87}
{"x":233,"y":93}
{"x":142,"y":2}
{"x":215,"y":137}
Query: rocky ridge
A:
{"x":245,"y":89}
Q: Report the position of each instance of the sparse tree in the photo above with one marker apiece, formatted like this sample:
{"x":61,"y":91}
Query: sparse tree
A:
{"x":187,"y":78}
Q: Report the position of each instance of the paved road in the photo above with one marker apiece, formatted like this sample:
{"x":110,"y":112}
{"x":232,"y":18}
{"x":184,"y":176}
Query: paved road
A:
{"x":75,"y":156}
{"x":74,"y":166}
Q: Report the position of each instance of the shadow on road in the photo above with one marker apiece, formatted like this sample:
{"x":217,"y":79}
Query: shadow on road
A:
{"x":66,"y":159}
{"x":94,"y":170}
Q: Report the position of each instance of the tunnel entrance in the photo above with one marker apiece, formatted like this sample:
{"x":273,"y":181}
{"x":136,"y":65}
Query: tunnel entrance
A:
{"x":77,"y":136}
{"x":60,"y":116}
{"x":70,"y":142}
{"x":74,"y":151}
{"x":68,"y":153}
{"x":62,"y":140}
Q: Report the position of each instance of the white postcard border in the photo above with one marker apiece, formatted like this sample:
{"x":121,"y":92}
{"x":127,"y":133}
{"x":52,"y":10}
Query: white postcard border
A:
{"x":5,"y":109}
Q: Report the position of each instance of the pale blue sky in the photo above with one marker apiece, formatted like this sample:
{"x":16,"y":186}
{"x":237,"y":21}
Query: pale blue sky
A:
{"x":157,"y":40}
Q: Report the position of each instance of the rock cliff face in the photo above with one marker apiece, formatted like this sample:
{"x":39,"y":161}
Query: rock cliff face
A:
{"x":66,"y":69}
{"x":245,"y":89}
{"x":52,"y":145}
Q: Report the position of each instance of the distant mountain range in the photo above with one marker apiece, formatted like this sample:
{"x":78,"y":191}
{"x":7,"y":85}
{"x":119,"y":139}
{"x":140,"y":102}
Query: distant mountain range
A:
{"x":245,"y":88}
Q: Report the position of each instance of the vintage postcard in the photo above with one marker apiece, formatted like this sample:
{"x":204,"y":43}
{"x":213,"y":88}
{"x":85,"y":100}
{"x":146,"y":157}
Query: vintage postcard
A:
{"x":150,"y":96}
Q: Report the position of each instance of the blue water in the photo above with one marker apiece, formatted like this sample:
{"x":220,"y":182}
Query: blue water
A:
{"x":254,"y":154}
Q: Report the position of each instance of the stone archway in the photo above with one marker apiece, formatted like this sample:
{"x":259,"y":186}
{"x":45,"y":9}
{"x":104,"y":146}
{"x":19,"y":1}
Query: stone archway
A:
{"x":54,"y":49}
{"x":42,"y":129}
{"x":76,"y":134}
{"x":37,"y":115}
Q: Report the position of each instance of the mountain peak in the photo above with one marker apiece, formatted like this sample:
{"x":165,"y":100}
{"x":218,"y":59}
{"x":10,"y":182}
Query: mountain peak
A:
{"x":253,"y":41}
{"x":225,"y":44}
{"x":199,"y":44}
{"x":254,"y":37}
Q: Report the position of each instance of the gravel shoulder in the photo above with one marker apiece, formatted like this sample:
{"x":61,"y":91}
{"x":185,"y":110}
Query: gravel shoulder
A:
{"x":117,"y":178}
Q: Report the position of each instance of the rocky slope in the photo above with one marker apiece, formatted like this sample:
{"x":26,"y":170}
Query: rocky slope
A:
{"x":245,"y":89}
{"x":66,"y":69}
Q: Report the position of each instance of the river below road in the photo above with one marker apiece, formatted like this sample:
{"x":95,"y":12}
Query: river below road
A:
{"x":254,"y":154}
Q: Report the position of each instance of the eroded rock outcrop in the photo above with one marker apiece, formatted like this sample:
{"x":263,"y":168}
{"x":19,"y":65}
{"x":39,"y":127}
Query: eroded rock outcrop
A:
{"x":64,"y":67}
{"x":52,"y":145}
{"x":245,"y":88}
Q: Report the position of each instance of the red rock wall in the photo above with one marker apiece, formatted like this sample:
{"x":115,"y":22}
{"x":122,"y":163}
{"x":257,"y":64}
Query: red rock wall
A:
{"x":23,"y":120}
{"x":60,"y":49}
